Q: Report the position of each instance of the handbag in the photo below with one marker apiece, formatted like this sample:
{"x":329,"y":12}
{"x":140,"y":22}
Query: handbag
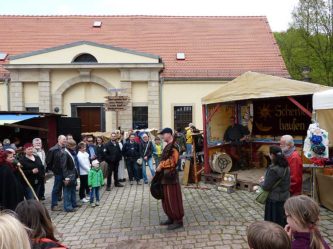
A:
{"x":263,"y":194}
{"x":140,"y":160}
{"x":72,"y":180}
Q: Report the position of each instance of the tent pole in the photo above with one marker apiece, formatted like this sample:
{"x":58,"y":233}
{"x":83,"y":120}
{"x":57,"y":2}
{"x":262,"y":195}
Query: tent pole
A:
{"x":300,"y":106}
{"x":206,"y":155}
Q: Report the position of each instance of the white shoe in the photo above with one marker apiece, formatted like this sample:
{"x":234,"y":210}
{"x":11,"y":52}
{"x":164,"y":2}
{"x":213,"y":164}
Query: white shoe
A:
{"x":84,"y":200}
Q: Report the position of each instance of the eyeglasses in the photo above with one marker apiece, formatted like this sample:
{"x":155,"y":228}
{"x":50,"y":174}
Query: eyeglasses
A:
{"x":90,"y":141}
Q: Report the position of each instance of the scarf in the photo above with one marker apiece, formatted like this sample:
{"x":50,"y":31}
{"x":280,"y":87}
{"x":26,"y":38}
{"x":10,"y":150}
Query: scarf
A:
{"x":73,"y":154}
{"x":168,"y":150}
{"x":290,"y":151}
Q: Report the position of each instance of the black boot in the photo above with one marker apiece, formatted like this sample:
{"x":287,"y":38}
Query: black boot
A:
{"x":175,"y":226}
{"x":166,"y":222}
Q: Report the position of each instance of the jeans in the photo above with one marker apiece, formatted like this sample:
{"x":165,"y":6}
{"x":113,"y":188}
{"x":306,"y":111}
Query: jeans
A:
{"x":188,"y":148}
{"x":151,"y":167}
{"x":94,"y":191}
{"x":132,"y":169}
{"x":157,"y":161}
{"x":69,"y":198}
{"x":57,"y":185}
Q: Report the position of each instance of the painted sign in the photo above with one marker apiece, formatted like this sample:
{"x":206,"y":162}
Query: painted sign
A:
{"x":280,"y":116}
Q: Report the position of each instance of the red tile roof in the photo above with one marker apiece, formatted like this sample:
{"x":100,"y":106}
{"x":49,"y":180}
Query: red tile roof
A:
{"x":215,"y":47}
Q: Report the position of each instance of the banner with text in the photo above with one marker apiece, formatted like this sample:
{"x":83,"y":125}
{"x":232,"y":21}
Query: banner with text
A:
{"x":279,"y":116}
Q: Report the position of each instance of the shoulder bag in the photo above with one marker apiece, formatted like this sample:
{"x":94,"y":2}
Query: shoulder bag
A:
{"x":263,"y":194}
{"x":140,"y":160}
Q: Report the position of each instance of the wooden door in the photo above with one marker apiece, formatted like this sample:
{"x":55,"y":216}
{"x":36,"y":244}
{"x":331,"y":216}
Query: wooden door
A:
{"x":90,"y":118}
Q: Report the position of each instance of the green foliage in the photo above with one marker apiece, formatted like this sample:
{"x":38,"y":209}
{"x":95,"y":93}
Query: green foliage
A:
{"x":297,"y":55}
{"x":309,"y":41}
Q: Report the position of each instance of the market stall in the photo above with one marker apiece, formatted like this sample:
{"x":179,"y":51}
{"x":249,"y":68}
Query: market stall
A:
{"x":267,"y":106}
{"x":323,"y":113}
{"x":25,"y":126}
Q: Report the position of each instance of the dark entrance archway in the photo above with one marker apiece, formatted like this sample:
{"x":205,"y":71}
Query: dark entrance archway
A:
{"x":92,"y":116}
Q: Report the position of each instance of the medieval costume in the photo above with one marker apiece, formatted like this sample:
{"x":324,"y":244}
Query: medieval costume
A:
{"x":172,"y":201}
{"x":11,"y":192}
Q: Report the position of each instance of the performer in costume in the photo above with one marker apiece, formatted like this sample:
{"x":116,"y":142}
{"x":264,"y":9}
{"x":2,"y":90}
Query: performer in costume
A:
{"x":11,"y":190}
{"x":172,"y":201}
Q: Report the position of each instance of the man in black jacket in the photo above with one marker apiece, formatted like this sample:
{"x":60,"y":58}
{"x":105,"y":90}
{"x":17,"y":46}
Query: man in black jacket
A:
{"x":54,"y":160}
{"x":131,"y":152}
{"x":112,"y":155}
{"x":69,"y":177}
{"x":91,"y":148}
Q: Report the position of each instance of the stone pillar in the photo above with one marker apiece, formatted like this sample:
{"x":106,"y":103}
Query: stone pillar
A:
{"x":125,"y":118}
{"x":57,"y":102}
{"x":44,"y":89}
{"x":16,"y":96}
{"x":154,"y":104}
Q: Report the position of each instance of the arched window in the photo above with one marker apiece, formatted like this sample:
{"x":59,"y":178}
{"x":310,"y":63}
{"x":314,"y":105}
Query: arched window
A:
{"x":85,"y":58}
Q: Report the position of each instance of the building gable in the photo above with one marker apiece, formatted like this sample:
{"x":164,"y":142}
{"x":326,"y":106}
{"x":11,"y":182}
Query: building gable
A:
{"x":65,"y":54}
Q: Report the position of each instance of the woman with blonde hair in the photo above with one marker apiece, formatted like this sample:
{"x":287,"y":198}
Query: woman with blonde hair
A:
{"x":303,"y":217}
{"x":12,"y":233}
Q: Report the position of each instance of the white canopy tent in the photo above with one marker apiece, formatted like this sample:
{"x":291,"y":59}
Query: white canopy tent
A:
{"x":323,"y":107}
{"x":323,"y":100}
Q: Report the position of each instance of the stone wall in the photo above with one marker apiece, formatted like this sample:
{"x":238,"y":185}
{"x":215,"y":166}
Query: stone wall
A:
{"x":154,"y":104}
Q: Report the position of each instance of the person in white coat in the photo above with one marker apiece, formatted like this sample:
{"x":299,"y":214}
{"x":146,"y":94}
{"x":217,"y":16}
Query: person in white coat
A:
{"x":121,"y":168}
{"x":84,"y":167}
{"x":39,"y":151}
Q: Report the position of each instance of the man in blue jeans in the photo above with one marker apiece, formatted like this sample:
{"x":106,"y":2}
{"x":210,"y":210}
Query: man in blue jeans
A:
{"x":146,"y":151}
{"x":54,"y":160}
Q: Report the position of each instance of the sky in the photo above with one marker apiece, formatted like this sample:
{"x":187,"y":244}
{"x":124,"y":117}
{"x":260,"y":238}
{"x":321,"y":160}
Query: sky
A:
{"x":278,"y":12}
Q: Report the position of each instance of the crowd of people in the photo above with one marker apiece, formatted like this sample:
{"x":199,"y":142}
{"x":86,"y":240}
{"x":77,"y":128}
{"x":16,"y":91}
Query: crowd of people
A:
{"x":83,"y":165}
{"x":291,"y":219}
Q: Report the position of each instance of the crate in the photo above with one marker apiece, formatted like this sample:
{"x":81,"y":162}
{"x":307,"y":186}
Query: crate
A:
{"x":246,"y":185}
{"x":213,"y":178}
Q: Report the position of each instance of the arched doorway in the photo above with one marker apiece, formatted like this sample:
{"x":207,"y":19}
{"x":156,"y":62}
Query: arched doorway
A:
{"x":86,"y":101}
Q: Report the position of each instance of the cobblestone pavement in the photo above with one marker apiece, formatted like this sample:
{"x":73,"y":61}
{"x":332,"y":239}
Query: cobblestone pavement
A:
{"x":213,"y":219}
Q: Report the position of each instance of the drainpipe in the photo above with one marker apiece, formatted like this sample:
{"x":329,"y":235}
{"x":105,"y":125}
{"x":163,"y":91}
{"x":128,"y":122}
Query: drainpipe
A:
{"x":161,"y":101}
{"x":6,"y":81}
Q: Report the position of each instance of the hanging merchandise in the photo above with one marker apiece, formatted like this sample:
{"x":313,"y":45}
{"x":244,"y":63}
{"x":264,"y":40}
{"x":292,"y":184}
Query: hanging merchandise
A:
{"x":316,"y":144}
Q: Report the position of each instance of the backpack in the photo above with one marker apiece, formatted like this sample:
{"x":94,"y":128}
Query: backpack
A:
{"x":156,"y":187}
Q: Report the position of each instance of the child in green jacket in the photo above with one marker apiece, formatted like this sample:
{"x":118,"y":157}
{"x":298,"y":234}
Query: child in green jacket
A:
{"x":95,"y":181}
